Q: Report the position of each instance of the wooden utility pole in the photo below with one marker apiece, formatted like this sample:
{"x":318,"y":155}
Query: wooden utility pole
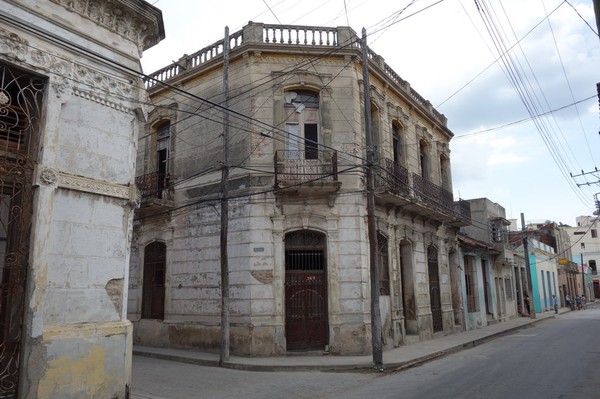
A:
{"x":582,"y":275}
{"x":224,"y":354}
{"x":528,"y":268}
{"x":371,"y":223}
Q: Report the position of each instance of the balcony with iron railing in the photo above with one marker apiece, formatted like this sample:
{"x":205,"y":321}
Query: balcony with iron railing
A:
{"x":155,"y":193}
{"x":395,"y":185}
{"x":309,"y":171}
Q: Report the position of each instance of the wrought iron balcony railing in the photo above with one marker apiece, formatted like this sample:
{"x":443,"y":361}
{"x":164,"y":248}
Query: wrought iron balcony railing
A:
{"x":393,"y":176}
{"x":411,"y":187}
{"x":152,"y":185}
{"x":305,"y":166}
{"x":432,"y":194}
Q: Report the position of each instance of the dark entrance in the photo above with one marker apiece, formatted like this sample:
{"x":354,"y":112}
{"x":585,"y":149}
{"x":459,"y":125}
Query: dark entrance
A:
{"x":434,"y":289}
{"x":21,"y":98}
{"x":306,"y":316}
{"x":153,"y":291}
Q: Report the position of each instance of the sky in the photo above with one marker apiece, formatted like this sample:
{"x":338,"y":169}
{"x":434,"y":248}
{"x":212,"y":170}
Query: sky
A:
{"x":515,"y":78}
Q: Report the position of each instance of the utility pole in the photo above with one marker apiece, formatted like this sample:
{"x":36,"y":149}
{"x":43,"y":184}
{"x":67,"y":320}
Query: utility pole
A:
{"x":595,"y":173}
{"x":583,"y":275}
{"x":371,"y":223}
{"x":528,"y":268}
{"x":224,"y":353}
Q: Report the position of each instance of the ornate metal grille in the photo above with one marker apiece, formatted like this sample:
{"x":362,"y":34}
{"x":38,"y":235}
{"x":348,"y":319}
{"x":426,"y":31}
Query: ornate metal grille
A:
{"x":434,"y":289}
{"x":21,"y":98}
{"x":306,"y":318}
{"x":153,"y":295}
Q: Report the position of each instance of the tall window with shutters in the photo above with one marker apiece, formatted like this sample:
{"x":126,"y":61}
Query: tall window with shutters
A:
{"x":302,"y":124}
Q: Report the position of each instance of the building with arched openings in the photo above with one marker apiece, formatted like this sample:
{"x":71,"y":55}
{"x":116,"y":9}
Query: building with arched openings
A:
{"x":298,"y":248}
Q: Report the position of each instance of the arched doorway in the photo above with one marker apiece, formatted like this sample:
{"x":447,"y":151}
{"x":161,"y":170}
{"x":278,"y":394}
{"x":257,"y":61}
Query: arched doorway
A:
{"x":153,"y":288}
{"x":455,"y":288}
{"x":435,"y":297}
{"x":408,"y":288}
{"x":306,"y":315}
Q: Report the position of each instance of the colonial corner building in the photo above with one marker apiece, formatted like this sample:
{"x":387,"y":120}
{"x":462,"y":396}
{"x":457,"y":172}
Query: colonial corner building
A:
{"x":71,"y":108}
{"x":298,"y":246}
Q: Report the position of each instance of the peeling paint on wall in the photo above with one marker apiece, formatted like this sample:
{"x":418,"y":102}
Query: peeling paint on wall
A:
{"x":114,"y":289}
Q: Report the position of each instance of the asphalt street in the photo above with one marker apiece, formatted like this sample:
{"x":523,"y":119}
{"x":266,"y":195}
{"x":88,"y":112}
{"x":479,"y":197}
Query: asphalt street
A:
{"x":557,"y":358}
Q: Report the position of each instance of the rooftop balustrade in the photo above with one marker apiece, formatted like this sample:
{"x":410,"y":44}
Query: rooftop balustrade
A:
{"x":298,"y":36}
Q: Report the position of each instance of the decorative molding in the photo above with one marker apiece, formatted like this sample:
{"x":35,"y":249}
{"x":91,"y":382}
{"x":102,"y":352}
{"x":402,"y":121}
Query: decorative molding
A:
{"x":136,"y":21}
{"x":48,"y":176}
{"x":18,"y":50}
{"x":105,"y":83}
{"x":92,"y":186}
{"x":102,"y":101}
{"x":64,"y":74}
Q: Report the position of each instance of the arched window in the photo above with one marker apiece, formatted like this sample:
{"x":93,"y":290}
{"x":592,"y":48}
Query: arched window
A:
{"x":397,"y":143}
{"x":302,"y":124}
{"x":424,"y":159}
{"x":435,"y":296}
{"x":375,"y":134}
{"x":153,"y":287}
{"x":21,"y":109}
{"x":445,"y":172}
{"x":382,"y":259}
{"x":163,"y":140}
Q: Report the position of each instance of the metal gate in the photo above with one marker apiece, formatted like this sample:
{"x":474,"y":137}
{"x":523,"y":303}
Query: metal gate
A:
{"x":306,"y":316}
{"x":153,"y":289}
{"x":21,"y":98}
{"x":434,"y":289}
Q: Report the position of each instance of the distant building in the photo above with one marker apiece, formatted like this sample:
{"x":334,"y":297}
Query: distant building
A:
{"x":586,"y":245}
{"x":544,"y":274}
{"x":70,"y":113}
{"x":557,"y":237}
{"x":501,"y":291}
{"x":298,"y":239}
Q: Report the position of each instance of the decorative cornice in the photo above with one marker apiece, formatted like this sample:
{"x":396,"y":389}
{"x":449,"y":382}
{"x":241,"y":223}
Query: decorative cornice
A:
{"x":49,"y":176}
{"x":135,"y":20}
{"x":66,"y":74}
{"x":96,"y":98}
{"x":93,"y":186}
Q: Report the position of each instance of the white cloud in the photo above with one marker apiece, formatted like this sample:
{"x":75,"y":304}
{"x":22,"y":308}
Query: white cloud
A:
{"x":439,"y":51}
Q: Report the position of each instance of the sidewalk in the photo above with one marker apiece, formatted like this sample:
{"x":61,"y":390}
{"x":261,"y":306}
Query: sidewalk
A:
{"x":396,"y":359}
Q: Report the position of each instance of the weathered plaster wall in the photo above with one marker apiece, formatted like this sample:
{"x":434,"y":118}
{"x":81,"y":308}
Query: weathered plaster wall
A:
{"x":258,"y":224}
{"x":76,"y":338}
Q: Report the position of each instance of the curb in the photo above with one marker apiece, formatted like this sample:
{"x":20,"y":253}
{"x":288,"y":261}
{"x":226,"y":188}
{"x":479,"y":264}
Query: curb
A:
{"x":354,"y":367}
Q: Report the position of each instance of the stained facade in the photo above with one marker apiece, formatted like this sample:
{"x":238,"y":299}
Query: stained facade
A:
{"x":298,"y":243}
{"x":69,"y":115}
{"x":498,"y":282}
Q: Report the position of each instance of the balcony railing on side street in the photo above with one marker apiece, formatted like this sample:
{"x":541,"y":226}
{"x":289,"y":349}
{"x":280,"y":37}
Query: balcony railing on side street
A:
{"x":396,"y":179}
{"x":151,"y":185}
